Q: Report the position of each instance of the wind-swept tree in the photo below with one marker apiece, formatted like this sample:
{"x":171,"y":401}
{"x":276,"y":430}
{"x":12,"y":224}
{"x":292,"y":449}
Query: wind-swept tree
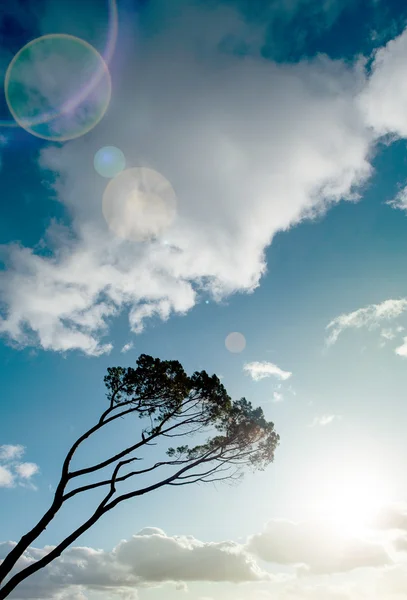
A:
{"x":235,"y":436}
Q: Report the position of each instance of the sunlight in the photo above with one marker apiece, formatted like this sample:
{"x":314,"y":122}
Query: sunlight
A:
{"x":350,"y":500}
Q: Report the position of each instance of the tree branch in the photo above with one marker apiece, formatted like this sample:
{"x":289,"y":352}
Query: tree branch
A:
{"x":97,"y":484}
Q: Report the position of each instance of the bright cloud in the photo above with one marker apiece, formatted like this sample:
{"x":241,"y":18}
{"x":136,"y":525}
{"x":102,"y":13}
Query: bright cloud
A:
{"x":370,"y":316}
{"x":6,"y":477}
{"x":149,"y":557}
{"x":319,"y":121}
{"x":306,"y":553}
{"x":186,"y":559}
{"x":12,"y":470}
{"x":385,"y":94}
{"x":234,"y":196}
{"x":402,"y":350}
{"x":260,"y":370}
{"x":26,"y":470}
{"x":314,"y":545}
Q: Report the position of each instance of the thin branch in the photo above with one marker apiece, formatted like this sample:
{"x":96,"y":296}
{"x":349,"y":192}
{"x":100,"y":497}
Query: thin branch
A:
{"x":97,"y":484}
{"x":155,"y":486}
{"x":123,"y":453}
{"x":217,"y":468}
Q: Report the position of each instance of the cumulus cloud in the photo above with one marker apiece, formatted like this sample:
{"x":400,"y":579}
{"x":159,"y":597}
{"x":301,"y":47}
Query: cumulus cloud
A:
{"x":370,"y":316}
{"x":272,"y":145}
{"x":26,"y":470}
{"x":260,"y":370}
{"x":12,"y":470}
{"x":184,"y":558}
{"x":147,"y":558}
{"x":313,"y":544}
{"x":324,"y":420}
{"x":385,"y":94}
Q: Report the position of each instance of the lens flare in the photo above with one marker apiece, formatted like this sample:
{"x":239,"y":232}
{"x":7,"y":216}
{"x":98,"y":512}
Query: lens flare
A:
{"x":235,"y":342}
{"x":139,"y":204}
{"x":47,"y":87}
{"x":109,"y":161}
{"x":107,"y":54}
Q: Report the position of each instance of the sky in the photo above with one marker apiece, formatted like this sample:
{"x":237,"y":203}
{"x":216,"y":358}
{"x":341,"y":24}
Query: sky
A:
{"x":270,"y":136}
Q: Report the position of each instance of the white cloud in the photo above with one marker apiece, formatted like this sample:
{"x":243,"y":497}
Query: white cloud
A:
{"x":324,"y":420}
{"x":127,"y":347}
{"x":278,"y":397}
{"x":184,"y":558}
{"x":385,"y":94}
{"x":26,"y":470}
{"x":306,"y":559}
{"x":148,"y":558}
{"x":12,"y":470}
{"x":260,"y":370}
{"x":11,"y":452}
{"x":318,"y":121}
{"x":370,"y":316}
{"x":313,"y":544}
{"x":273,"y":144}
{"x":400,"y":201}
{"x":402,"y":350}
{"x":6,"y":477}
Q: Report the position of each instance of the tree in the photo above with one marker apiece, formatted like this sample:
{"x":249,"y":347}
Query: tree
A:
{"x":173,"y":405}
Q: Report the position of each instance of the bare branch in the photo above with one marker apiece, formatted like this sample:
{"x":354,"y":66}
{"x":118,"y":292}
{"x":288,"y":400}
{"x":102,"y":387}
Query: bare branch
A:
{"x":97,"y":484}
{"x":123,"y":453}
{"x":155,"y":486}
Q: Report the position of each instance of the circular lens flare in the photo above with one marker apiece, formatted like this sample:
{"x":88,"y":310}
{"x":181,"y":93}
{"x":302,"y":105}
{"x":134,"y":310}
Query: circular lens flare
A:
{"x":107,"y":54}
{"x":47,"y":87}
{"x":139,"y":204}
{"x":235,"y":342}
{"x":109,"y":161}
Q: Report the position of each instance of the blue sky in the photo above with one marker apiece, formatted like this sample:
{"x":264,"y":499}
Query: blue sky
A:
{"x":283,"y":135}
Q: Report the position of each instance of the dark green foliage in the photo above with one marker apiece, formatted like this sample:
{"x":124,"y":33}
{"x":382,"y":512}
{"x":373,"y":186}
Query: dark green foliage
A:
{"x":162,"y":390}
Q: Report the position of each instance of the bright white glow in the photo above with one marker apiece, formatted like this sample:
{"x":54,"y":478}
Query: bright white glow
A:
{"x":350,"y":500}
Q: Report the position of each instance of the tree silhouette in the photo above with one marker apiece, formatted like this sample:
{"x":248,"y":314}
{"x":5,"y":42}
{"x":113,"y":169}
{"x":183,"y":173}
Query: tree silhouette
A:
{"x":173,"y":405}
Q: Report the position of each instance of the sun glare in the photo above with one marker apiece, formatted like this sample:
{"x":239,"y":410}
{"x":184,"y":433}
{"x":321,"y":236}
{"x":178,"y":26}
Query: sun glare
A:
{"x":349,"y":499}
{"x":352,"y":504}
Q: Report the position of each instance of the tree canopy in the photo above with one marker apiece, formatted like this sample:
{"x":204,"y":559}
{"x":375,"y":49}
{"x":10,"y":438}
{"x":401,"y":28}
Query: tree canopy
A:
{"x":170,"y":404}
